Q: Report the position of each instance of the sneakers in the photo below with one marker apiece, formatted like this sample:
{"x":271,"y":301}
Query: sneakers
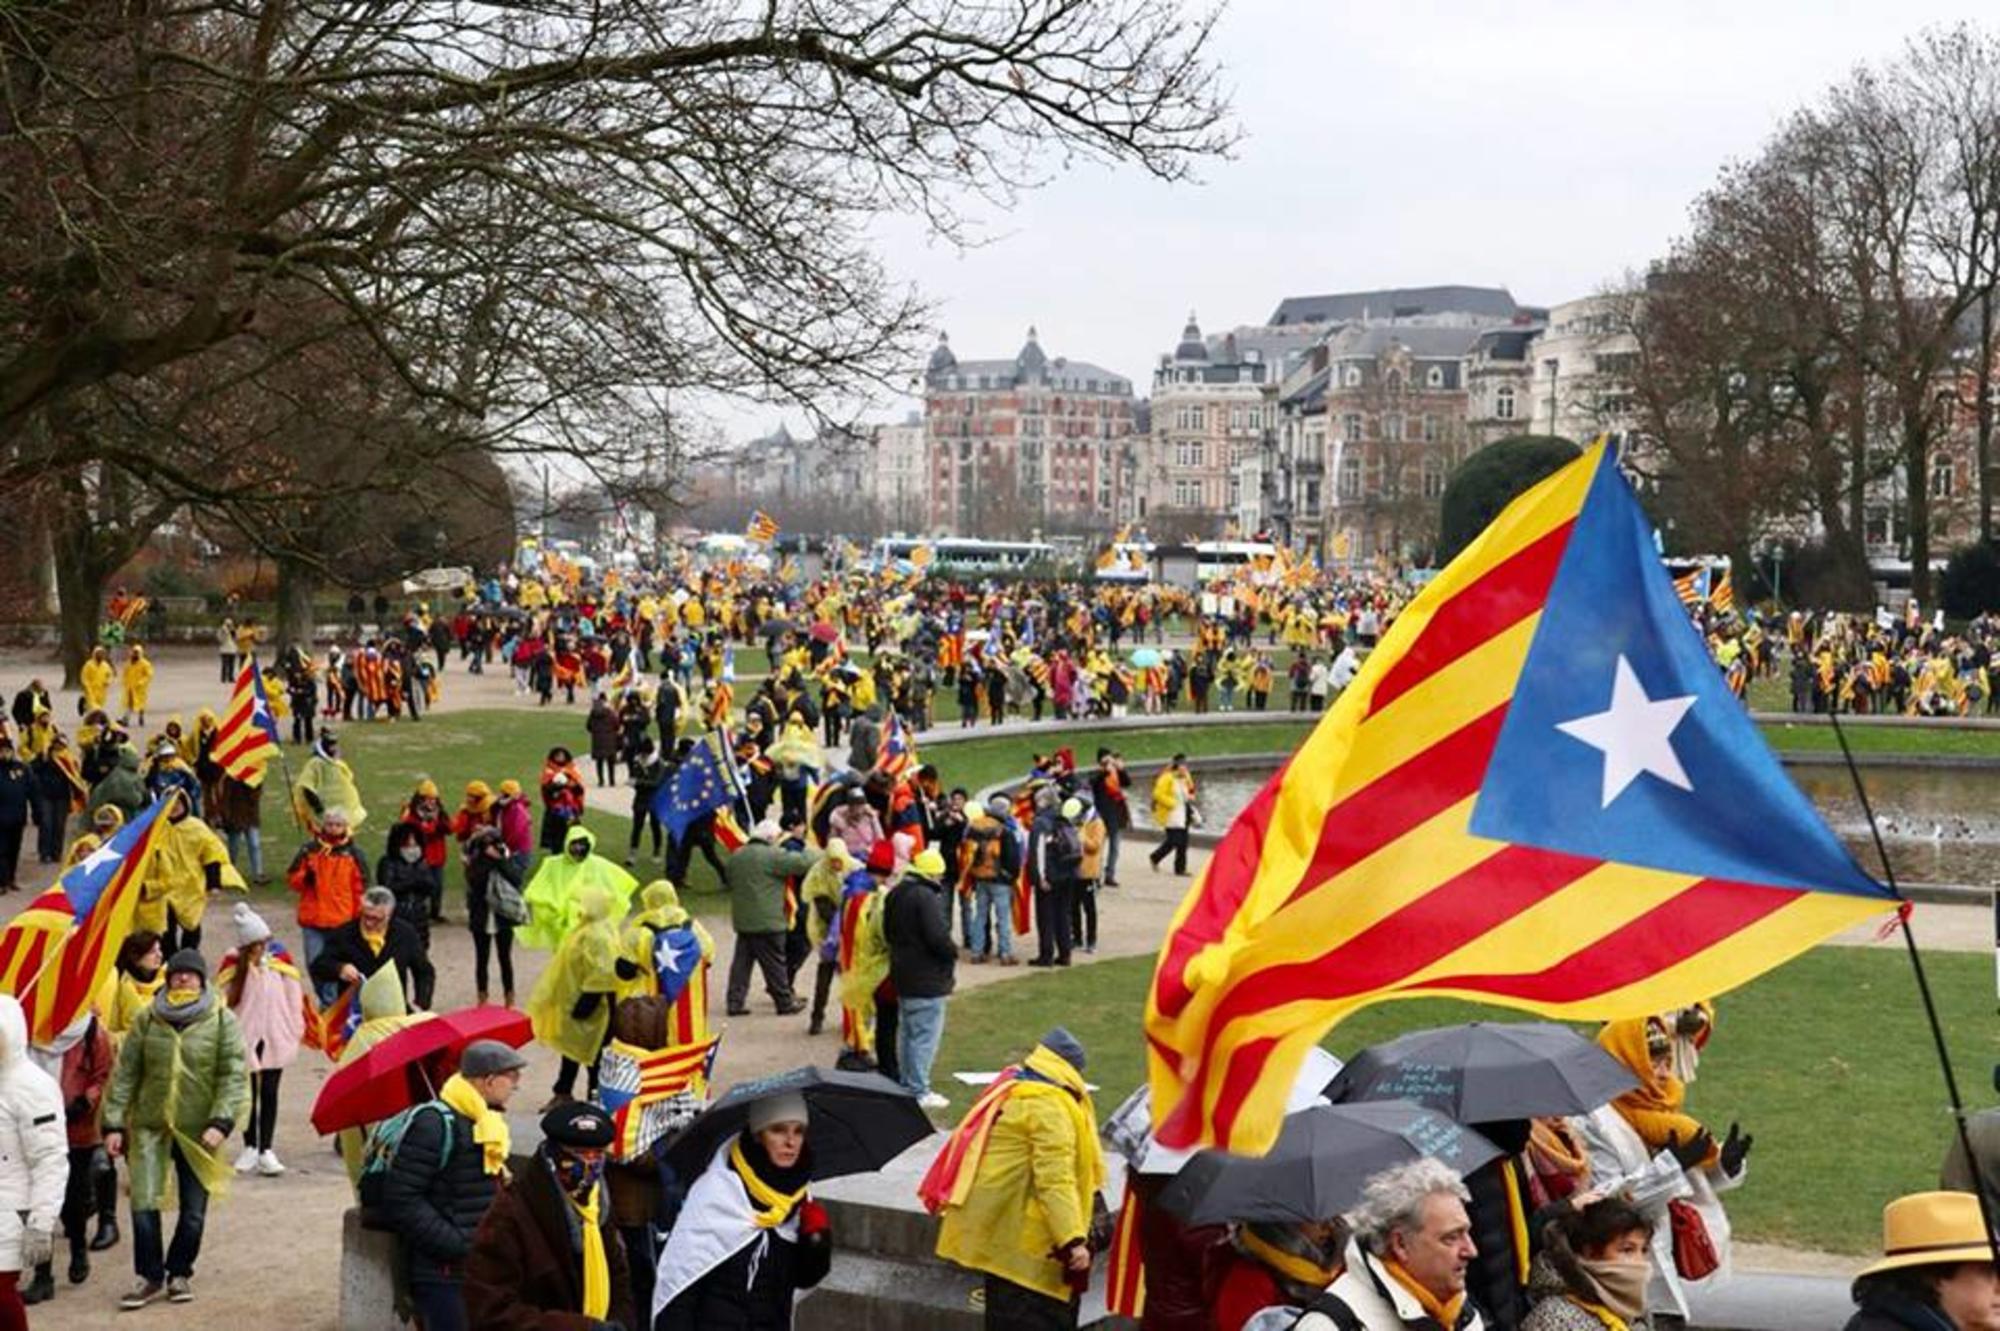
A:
{"x":269,"y":1165}
{"x":179,"y":1290}
{"x":932,"y":1100}
{"x":141,"y":1294}
{"x":246,"y":1161}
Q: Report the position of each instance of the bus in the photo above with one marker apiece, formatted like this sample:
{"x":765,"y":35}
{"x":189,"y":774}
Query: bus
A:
{"x":959,"y":556}
{"x":1228,"y":560}
{"x":1125,"y":561}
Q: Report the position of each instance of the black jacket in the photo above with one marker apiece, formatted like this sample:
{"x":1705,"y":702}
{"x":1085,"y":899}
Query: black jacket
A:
{"x":916,"y":922}
{"x":1492,"y":1278}
{"x":751,"y":1290}
{"x":1887,"y":1313}
{"x":17,"y":790}
{"x":344,"y":947}
{"x":432,"y":1200}
{"x":413,"y":885}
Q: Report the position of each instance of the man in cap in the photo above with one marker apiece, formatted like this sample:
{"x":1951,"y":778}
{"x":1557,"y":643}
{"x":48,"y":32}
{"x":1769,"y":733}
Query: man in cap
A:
{"x":179,"y":1089}
{"x":548,"y":1251}
{"x":755,"y":875}
{"x":1014,"y":1188}
{"x":446,"y":1170}
{"x":916,"y":921}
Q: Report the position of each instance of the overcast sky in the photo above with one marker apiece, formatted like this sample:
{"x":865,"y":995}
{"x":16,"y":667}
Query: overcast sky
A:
{"x":1543,"y":147}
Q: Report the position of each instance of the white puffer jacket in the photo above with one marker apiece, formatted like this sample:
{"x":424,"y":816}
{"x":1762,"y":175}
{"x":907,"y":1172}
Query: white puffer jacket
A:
{"x":34,"y":1142}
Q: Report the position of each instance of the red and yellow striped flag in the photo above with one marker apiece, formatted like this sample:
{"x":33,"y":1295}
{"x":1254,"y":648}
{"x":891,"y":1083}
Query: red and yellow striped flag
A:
{"x":247,"y":738}
{"x":1124,"y":1268}
{"x":1537,"y":793}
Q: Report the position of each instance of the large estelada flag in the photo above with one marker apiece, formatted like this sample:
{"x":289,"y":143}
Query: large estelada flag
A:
{"x":246,"y":739}
{"x":56,"y":954}
{"x":1538,"y":793}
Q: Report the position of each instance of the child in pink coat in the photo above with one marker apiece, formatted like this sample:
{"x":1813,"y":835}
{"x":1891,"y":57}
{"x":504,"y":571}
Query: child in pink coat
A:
{"x":268,"y":995}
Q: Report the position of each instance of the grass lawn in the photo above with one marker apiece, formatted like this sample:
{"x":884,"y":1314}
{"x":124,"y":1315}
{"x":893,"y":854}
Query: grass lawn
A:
{"x":1864,"y":740}
{"x":1827,"y":1060}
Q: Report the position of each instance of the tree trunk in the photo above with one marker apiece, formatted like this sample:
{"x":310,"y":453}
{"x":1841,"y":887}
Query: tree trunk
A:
{"x":298,"y":583}
{"x":1985,"y":410}
{"x":80,"y":578}
{"x":1916,"y":476}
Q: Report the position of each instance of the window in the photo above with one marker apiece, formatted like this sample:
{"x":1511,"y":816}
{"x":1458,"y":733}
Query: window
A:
{"x":1198,"y":418}
{"x":1350,"y":477}
{"x":1236,"y":418}
{"x":1351,"y":376}
{"x":1392,"y":428}
{"x":1435,"y":378}
{"x":1941,"y":477}
{"x":1393,"y":382}
{"x":1433,"y":479}
{"x":1350,"y":425}
{"x":1433,"y":429}
{"x":1186,"y":494}
{"x":1503,"y":403}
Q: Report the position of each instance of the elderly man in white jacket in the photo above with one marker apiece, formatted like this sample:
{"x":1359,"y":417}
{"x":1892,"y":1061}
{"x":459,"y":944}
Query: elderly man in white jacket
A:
{"x":34,"y":1161}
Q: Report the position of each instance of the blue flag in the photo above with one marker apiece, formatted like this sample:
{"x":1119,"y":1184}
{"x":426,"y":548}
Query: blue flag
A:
{"x":700,"y":785}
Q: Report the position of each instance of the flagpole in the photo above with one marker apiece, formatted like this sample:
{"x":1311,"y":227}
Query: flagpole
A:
{"x":1986,"y":1203}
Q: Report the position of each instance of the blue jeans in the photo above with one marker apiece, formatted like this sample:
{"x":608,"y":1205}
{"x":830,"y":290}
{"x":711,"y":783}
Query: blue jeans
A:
{"x":313,"y":942}
{"x":440,"y":1304}
{"x":919,"y":1027}
{"x":1112,"y":836}
{"x":968,"y":902}
{"x":994,"y":899}
{"x":255,"y":840}
{"x":188,"y":1223}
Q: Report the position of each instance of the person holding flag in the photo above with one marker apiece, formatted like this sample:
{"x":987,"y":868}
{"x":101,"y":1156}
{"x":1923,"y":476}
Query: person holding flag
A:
{"x":188,"y":864}
{"x":665,"y":953}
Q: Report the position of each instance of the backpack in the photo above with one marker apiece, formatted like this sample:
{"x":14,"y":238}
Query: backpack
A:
{"x":378,"y":1157}
{"x":1065,"y":850}
{"x":987,"y":856}
{"x":1335,"y":1309}
{"x":503,"y":897}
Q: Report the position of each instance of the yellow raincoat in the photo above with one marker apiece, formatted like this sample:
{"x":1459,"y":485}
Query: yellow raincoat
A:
{"x":136,"y":685}
{"x":1036,"y":1170}
{"x":820,"y":888}
{"x":327,"y":783}
{"x":659,"y":908}
{"x":95,"y":680}
{"x":553,"y":893}
{"x":177,"y":875}
{"x":586,"y":962}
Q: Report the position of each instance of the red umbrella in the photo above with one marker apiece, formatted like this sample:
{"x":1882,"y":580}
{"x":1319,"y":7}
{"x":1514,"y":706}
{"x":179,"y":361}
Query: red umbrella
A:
{"x":824,"y":631}
{"x":378,"y":1083}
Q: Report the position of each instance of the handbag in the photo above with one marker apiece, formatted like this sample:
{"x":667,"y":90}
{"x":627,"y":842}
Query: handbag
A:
{"x":1694,"y":1252}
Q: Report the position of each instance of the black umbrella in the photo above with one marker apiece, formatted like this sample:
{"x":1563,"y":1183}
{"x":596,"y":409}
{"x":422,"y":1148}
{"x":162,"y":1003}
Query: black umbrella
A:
{"x":859,"y":1121}
{"x":1316,"y":1168}
{"x":1487,"y":1072}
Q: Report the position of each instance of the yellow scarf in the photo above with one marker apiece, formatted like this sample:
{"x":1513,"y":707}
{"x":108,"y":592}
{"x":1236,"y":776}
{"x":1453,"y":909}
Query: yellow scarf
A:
{"x":1444,"y":1314}
{"x":182,"y":997}
{"x":596,"y":1268}
{"x":375,"y":941}
{"x":768,"y":1206}
{"x":489,"y":1125}
{"x":1299,"y":1270}
{"x":1517,"y":1220}
{"x":1612,"y":1321}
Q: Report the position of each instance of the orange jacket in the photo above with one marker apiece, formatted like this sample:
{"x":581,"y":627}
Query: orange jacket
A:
{"x":329,"y":881}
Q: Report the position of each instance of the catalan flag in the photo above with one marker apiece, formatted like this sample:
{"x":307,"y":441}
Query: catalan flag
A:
{"x":1124,"y":1267}
{"x":641,"y":1087}
{"x":1537,"y":793}
{"x":247,"y":738}
{"x":333,"y":1027}
{"x":1723,"y":595}
{"x":898,"y":751}
{"x":763,"y":528}
{"x":55,"y":954}
{"x":1692,"y":586}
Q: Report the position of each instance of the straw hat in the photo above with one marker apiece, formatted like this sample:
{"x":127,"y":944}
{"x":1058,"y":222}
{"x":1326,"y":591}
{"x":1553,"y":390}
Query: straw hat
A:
{"x":1932,"y":1229}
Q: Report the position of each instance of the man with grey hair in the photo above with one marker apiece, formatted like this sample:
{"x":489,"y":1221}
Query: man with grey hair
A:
{"x":373,"y":939}
{"x":1406,"y":1264}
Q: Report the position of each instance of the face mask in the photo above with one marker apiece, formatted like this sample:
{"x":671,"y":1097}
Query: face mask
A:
{"x":577,"y":1176}
{"x":182,"y":997}
{"x":331,"y":837}
{"x":411,"y":854}
{"x":579,"y":852}
{"x":1622,"y":1285}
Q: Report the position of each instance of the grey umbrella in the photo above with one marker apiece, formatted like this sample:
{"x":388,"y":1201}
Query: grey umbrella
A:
{"x":859,"y":1121}
{"x":1316,"y":1168}
{"x":1487,"y":1072}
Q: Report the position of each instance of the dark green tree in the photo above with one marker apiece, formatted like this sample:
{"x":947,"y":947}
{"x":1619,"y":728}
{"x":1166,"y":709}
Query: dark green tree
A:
{"x":1488,"y":480}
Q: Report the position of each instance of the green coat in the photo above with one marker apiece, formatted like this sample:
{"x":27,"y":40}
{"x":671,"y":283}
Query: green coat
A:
{"x":756,"y":877}
{"x":170,"y":1085}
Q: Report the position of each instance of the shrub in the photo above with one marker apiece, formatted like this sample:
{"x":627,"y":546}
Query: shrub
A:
{"x":1971,"y":583}
{"x":1489,"y":480}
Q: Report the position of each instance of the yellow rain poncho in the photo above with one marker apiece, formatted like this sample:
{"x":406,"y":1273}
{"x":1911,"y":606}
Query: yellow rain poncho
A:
{"x":659,"y":908}
{"x":177,"y":875}
{"x":327,"y":783}
{"x":384,"y":1011}
{"x":552,"y":892}
{"x":136,"y":683}
{"x":95,"y":680}
{"x":585,"y":963}
{"x":820,"y":888}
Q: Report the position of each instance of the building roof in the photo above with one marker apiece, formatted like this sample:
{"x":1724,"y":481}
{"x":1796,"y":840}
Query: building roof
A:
{"x":1309,"y":396}
{"x":1488,"y":304}
{"x":1423,"y":342}
{"x":1192,"y":348}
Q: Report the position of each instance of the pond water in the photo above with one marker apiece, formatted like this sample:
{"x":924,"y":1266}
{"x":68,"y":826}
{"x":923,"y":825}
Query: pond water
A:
{"x":1940,"y":825}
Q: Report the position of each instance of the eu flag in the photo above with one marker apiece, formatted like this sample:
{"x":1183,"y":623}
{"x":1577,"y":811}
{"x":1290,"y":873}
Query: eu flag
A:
{"x":700,"y":786}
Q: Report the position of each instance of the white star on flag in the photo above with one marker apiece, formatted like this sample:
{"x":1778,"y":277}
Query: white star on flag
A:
{"x":1634,"y":733}
{"x":97,"y":859}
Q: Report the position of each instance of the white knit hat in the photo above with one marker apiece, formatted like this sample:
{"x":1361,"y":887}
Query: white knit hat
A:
{"x":250,"y":926}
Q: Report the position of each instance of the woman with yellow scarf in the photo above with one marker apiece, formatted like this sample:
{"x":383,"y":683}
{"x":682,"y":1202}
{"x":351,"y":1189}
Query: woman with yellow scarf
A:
{"x":749,"y":1236}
